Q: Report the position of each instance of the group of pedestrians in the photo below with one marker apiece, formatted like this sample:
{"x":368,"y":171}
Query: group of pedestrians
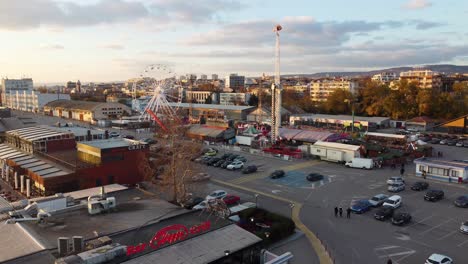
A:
{"x":340,"y":212}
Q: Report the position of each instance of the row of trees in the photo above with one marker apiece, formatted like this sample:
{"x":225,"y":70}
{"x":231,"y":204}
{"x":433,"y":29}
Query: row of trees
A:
{"x":404,"y":101}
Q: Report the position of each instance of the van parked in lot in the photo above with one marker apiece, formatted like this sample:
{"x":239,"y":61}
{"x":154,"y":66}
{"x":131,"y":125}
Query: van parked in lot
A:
{"x":360,"y":163}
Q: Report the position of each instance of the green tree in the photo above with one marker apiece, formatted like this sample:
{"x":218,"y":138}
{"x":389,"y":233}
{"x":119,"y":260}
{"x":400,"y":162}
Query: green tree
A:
{"x":372,"y":97}
{"x":336,"y":104}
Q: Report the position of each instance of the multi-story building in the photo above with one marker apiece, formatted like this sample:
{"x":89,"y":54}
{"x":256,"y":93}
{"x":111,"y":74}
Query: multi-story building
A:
{"x":298,"y":89}
{"x":198,"y":97}
{"x":385,"y":77}
{"x":30,"y":101}
{"x":214,"y":77}
{"x":13,"y":85}
{"x":203,"y":77}
{"x":235,"y":82}
{"x":322,"y":88}
{"x":85,"y":110}
{"x":426,"y":79}
{"x":233,"y":98}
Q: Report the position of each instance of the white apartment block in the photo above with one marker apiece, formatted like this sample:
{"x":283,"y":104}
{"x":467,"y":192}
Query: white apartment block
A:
{"x":322,"y":88}
{"x":12,"y":85}
{"x":30,"y":101}
{"x":214,"y":77}
{"x":235,"y":82}
{"x":385,"y":77}
{"x":298,"y":89}
{"x":233,"y":98}
{"x":203,"y":77}
{"x":199,"y":96}
{"x":426,"y":79}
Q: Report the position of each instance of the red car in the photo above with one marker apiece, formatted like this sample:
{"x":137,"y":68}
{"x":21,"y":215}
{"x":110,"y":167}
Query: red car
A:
{"x":231,"y":199}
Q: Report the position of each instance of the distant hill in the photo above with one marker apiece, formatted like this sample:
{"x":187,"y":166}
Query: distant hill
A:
{"x":442,"y":68}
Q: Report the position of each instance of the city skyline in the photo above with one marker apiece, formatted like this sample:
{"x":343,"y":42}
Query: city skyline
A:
{"x":110,"y":40}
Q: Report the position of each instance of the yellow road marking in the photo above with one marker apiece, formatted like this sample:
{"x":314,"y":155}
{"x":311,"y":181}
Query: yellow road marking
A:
{"x":249,"y":178}
{"x":301,"y":165}
{"x":319,"y":249}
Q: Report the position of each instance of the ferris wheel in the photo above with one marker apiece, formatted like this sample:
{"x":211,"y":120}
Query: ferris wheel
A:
{"x":166,"y":97}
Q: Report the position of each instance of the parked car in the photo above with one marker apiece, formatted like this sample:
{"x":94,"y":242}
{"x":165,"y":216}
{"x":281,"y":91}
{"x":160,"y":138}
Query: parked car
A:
{"x":434,"y":195}
{"x":235,"y":165}
{"x":439,"y":259}
{"x":225,"y":156}
{"x":212,"y":161}
{"x":231,"y":199}
{"x":113,"y":134}
{"x":384,"y":213}
{"x":378,"y":200}
{"x":192,"y":202}
{"x":202,"y":205}
{"x":315,"y":177}
{"x":443,"y":142}
{"x":396,"y":187}
{"x":232,"y":157}
{"x":393,"y":201}
{"x":465,"y":144}
{"x":200,"y":177}
{"x":211,"y":152}
{"x":225,"y":164}
{"x":461,"y":201}
{"x":148,"y":140}
{"x":401,"y":218}
{"x":218,"y":163}
{"x":240,"y":158}
{"x":435,"y":141}
{"x":277,"y":174}
{"x":451,"y":142}
{"x":216,"y":195}
{"x":249,"y":169}
{"x":395,"y":179}
{"x":419,"y":186}
{"x":128,"y":137}
{"x":459,"y":144}
{"x":361,"y":206}
{"x":464,"y":227}
{"x":206,"y":159}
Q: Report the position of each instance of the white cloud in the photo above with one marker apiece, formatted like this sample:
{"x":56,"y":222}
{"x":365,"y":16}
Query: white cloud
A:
{"x":112,"y":46}
{"x":52,"y":46}
{"x":417,"y":4}
{"x":30,"y":14}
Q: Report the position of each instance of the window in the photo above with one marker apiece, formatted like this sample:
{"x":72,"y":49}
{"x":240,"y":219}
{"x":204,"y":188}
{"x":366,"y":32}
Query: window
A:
{"x":421,"y":168}
{"x":455,"y":174}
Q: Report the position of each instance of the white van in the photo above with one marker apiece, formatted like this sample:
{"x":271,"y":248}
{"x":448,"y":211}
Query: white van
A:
{"x":393,"y":201}
{"x":360,"y":163}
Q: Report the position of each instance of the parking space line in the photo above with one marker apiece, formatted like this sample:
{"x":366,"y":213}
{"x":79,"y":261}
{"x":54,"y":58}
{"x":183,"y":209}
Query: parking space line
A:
{"x":434,"y":227}
{"x":462,"y":243}
{"x":448,"y":234}
{"x":385,"y":248}
{"x":419,"y":222}
{"x":409,"y":252}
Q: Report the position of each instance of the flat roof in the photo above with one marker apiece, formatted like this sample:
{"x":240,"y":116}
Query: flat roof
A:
{"x":336,"y":145}
{"x":79,"y":131}
{"x":37,"y":133}
{"x":111,"y":188}
{"x":203,"y":248}
{"x":443,"y":163}
{"x":110,"y":143}
{"x":212,"y":106}
{"x":16,"y":242}
{"x":375,"y":134}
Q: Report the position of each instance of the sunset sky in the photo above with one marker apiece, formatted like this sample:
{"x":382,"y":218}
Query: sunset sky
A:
{"x":108,"y":40}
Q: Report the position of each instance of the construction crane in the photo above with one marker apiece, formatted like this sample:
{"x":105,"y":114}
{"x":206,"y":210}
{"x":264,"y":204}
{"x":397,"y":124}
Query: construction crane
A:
{"x":276,"y":89}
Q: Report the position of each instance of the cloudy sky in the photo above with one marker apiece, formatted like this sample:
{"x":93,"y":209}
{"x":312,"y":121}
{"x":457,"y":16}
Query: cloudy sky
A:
{"x":105,"y":40}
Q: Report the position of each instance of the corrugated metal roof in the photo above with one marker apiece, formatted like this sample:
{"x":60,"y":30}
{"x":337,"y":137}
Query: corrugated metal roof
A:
{"x":201,"y":249}
{"x":212,"y":106}
{"x":96,"y":190}
{"x":72,"y":104}
{"x":37,"y":133}
{"x":336,"y":145}
{"x":385,"y":135}
{"x":5,"y":206}
{"x":16,"y":242}
{"x":206,"y":131}
{"x":375,"y":119}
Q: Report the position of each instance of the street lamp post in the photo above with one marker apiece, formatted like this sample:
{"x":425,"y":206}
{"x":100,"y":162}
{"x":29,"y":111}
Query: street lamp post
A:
{"x":256,"y":198}
{"x":352,"y":113}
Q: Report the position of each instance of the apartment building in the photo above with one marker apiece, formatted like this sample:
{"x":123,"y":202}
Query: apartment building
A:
{"x":385,"y":77}
{"x":235,"y":82}
{"x":426,"y":79}
{"x":233,"y":98}
{"x":197,"y":96}
{"x":322,"y":88}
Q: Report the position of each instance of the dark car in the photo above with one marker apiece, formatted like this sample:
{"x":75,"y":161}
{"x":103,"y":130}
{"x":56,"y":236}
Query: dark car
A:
{"x":149,"y":141}
{"x":213,"y":161}
{"x":225,"y":164}
{"x":419,"y":186}
{"x":205,"y":160}
{"x":314,"y":177}
{"x":192,"y":202}
{"x":434,"y":195}
{"x":277,"y":174}
{"x":129,"y":137}
{"x":232,"y":157}
{"x":451,"y":142}
{"x":435,"y":141}
{"x":461,"y":201}
{"x":361,"y":206}
{"x":241,"y":158}
{"x":383,"y":213}
{"x":401,"y":218}
{"x":218,"y":163}
{"x":249,"y":169}
{"x":225,"y":156}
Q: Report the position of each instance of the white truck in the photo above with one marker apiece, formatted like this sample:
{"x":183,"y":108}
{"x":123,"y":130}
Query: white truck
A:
{"x":360,"y":163}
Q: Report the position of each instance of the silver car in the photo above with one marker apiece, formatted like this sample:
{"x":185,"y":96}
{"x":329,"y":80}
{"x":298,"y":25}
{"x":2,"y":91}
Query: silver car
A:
{"x":396,"y":187}
{"x":395,"y":179}
{"x":464,"y":227}
{"x":378,"y":200}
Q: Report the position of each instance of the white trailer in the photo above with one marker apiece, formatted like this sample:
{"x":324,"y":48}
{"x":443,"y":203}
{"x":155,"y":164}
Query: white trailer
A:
{"x":360,"y":163}
{"x":244,"y":140}
{"x":335,"y":152}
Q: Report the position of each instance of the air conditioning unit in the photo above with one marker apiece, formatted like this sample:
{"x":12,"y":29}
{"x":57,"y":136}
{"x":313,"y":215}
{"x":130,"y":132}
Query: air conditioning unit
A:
{"x":78,"y":244}
{"x":64,"y":244}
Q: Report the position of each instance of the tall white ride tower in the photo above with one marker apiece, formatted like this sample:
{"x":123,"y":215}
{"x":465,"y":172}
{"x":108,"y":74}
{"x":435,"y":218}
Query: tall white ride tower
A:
{"x":276,"y":89}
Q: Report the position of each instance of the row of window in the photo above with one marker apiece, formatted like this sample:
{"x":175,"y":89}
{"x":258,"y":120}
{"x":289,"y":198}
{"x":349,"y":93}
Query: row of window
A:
{"x":440,"y":171}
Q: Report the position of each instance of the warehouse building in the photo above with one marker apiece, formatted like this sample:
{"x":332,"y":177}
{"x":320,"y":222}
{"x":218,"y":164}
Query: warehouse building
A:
{"x":86,"y":111}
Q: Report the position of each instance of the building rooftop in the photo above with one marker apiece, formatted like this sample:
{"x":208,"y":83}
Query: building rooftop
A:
{"x":212,"y":106}
{"x":72,"y":104}
{"x":79,"y":131}
{"x":375,"y":119}
{"x":336,"y":145}
{"x":16,"y":242}
{"x":111,"y":143}
{"x":463,"y":164}
{"x":39,"y":133}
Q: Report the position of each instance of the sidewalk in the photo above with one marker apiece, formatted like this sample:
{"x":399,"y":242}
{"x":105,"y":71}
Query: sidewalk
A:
{"x":299,"y":246}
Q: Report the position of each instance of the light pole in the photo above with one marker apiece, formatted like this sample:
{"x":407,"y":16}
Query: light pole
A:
{"x":352,"y":113}
{"x":291,"y":205}
{"x":256,"y":198}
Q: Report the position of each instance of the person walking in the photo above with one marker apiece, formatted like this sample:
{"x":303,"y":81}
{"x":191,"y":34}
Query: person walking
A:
{"x":402,"y":171}
{"x":341,"y":212}
{"x":336,"y":211}
{"x":424,"y":174}
{"x":348,"y":213}
{"x":389,"y":261}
